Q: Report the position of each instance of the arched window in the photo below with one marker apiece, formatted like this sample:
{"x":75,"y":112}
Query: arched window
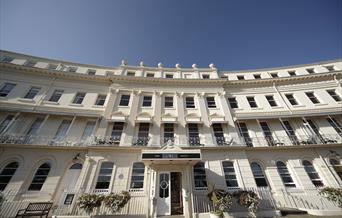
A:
{"x":105,"y":175}
{"x":40,"y":177}
{"x":258,"y":174}
{"x":285,"y":175}
{"x":76,"y":166}
{"x":229,"y":174}
{"x":200,"y":177}
{"x":7,"y":174}
{"x":312,"y":173}
{"x":337,"y":167}
{"x":138,"y":171}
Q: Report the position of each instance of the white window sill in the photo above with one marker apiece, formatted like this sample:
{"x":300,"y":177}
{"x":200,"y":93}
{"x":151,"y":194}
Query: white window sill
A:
{"x":4,"y":98}
{"x":213,"y":108}
{"x":98,"y":106}
{"x":257,"y":108}
{"x":191,"y":109}
{"x":296,"y":106}
{"x":321,"y":104}
{"x":277,"y":107}
{"x":121,"y":106}
{"x":26,"y":100}
{"x":237,"y":109}
{"x":169,"y":108}
{"x":76,"y":105}
{"x":149,"y":107}
{"x":51,"y":102}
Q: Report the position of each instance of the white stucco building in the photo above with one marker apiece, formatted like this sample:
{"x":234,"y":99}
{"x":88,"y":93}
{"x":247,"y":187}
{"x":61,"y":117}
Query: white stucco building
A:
{"x":164,"y":134}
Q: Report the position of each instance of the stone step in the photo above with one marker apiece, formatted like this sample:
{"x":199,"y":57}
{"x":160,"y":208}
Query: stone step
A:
{"x":172,"y":216}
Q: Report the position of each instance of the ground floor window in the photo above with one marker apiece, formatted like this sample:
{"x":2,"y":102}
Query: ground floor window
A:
{"x":138,"y":171}
{"x":7,"y":174}
{"x":40,"y":177}
{"x":105,"y":175}
{"x":200,"y":176}
{"x":285,"y":175}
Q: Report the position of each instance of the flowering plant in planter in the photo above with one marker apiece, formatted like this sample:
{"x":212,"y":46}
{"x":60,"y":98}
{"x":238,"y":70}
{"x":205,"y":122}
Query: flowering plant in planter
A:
{"x":117,"y":201}
{"x":332,"y":194}
{"x":248,"y":199}
{"x":2,"y":199}
{"x":89,"y":202}
{"x":221,"y":200}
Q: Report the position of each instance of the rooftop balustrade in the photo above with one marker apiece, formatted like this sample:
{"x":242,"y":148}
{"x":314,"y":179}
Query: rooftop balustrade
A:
{"x":157,"y":141}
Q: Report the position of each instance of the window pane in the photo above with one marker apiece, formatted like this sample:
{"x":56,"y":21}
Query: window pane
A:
{"x":147,"y":101}
{"x":56,"y":95}
{"x":32,"y":92}
{"x":7,"y":174}
{"x":79,"y":98}
{"x":168,"y":101}
{"x":40,"y":177}
{"x":229,"y":172}
{"x":137,"y":180}
{"x":124,"y":100}
{"x":100,"y":100}
{"x":105,"y":175}
{"x":190,"y":102}
{"x":285,"y":174}
{"x":200,"y":179}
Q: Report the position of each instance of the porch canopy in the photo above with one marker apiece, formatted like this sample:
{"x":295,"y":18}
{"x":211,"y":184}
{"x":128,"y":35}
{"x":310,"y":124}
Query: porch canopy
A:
{"x":171,"y":155}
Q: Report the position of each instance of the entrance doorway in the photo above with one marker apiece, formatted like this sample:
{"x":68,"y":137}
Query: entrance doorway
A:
{"x":170,"y":199}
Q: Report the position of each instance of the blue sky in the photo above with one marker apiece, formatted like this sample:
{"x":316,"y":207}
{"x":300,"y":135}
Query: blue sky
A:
{"x":232,"y":34}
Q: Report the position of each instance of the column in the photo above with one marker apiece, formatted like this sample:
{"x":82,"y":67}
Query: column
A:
{"x":102,"y":127}
{"x":225,"y":109}
{"x":206,"y":130}
{"x":246,"y":174}
{"x":300,"y":177}
{"x":127,"y":135}
{"x":180,"y":129}
{"x":156,"y":124}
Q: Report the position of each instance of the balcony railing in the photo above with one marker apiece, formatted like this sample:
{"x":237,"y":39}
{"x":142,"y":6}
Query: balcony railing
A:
{"x":170,"y":141}
{"x":141,"y":141}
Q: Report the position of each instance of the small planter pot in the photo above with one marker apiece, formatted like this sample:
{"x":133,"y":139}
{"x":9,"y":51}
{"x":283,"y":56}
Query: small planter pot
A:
{"x":215,"y":215}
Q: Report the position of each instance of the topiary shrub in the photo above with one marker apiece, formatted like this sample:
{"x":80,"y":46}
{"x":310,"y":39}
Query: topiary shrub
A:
{"x":116,"y":201}
{"x":332,"y":194}
{"x":222,"y":200}
{"x":248,"y":199}
{"x":89,"y":202}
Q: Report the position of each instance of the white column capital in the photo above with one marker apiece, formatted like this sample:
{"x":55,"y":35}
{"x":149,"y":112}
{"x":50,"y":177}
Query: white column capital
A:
{"x":179,"y":94}
{"x":221,"y":93}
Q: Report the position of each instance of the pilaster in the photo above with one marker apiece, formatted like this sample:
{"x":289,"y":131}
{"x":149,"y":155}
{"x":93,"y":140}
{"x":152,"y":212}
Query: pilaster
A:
{"x":156,"y":125}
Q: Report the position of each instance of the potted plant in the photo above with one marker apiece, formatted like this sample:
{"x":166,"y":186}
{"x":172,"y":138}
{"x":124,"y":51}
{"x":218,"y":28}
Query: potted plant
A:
{"x":248,"y":199}
{"x":89,"y":202}
{"x":221,"y":201}
{"x":117,"y":201}
{"x":2,"y":199}
{"x":332,"y":194}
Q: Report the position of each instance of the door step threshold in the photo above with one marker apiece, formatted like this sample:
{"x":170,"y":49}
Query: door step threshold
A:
{"x":172,"y":216}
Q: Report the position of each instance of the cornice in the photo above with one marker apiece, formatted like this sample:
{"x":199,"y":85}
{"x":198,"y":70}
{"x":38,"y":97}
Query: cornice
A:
{"x":290,"y":67}
{"x":167,"y":69}
{"x":337,"y":75}
{"x":173,"y":81}
{"x":286,"y":80}
{"x":54,"y":73}
{"x":293,"y":113}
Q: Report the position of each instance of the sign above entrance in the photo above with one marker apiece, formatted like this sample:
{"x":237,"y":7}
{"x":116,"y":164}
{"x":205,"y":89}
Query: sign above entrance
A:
{"x":171,"y":156}
{"x":172,"y":153}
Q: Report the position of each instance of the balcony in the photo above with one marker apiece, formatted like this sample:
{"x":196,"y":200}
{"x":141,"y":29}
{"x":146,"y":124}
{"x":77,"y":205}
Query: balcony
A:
{"x":157,"y":141}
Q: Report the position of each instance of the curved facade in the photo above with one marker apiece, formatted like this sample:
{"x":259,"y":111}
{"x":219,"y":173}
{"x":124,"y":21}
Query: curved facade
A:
{"x":166,"y":134}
